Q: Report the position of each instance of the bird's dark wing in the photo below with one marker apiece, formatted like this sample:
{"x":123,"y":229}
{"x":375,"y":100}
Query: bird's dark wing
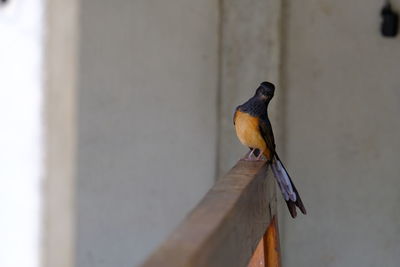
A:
{"x":267,"y":134}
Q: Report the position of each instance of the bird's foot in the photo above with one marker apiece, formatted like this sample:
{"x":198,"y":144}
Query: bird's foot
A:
{"x":249,"y":159}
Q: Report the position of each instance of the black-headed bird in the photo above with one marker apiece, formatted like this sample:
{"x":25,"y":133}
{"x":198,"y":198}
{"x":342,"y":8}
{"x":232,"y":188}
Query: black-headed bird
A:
{"x":254,"y":130}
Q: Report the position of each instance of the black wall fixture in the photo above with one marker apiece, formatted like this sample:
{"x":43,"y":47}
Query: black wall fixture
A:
{"x":390,"y":23}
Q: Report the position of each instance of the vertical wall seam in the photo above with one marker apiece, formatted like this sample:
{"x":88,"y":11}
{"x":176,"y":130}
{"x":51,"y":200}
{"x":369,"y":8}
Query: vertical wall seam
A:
{"x":282,"y":31}
{"x":281,"y":75}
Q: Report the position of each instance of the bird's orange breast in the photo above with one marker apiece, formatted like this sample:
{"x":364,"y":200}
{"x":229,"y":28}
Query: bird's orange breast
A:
{"x":248,"y":131}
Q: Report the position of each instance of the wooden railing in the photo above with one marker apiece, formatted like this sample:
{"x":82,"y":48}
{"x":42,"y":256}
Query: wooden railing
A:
{"x":233,"y":225}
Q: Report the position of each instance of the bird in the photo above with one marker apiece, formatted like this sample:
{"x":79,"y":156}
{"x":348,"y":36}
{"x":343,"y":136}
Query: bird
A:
{"x":254,"y":130}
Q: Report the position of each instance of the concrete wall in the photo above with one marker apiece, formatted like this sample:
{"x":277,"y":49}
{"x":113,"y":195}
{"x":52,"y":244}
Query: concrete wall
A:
{"x":147,"y":123}
{"x":343,"y":128}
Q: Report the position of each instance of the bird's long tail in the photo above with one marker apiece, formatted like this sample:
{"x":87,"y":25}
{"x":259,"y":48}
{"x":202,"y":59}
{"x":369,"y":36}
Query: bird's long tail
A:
{"x":287,"y":187}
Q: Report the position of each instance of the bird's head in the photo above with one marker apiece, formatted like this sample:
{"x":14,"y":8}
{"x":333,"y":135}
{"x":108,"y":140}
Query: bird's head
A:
{"x":265,"y":91}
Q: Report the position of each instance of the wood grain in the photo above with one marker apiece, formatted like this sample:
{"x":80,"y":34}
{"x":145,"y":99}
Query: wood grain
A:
{"x":271,"y":244}
{"x":268,"y":251}
{"x":226,"y":226}
{"x":258,"y":258}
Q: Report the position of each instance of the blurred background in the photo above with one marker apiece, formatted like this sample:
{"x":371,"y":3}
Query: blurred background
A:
{"x":129,"y":123}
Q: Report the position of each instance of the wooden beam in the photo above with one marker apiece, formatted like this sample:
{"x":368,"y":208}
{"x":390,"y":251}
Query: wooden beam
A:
{"x":226,"y":226}
{"x":268,"y":251}
{"x":258,"y":258}
{"x":271,"y":243}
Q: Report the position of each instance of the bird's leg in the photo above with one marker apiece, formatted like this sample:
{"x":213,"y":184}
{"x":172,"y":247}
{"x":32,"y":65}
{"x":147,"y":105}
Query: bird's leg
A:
{"x":260,"y":155}
{"x":249,"y":154}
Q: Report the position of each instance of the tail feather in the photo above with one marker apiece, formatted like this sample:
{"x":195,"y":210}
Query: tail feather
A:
{"x":287,"y":187}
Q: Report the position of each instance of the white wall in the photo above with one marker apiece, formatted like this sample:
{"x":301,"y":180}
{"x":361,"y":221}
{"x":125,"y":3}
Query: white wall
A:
{"x":21,"y":29}
{"x":147,"y":123}
{"x":343,"y":128}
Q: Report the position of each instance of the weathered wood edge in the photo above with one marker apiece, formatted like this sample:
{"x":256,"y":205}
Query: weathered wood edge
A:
{"x":226,"y":226}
